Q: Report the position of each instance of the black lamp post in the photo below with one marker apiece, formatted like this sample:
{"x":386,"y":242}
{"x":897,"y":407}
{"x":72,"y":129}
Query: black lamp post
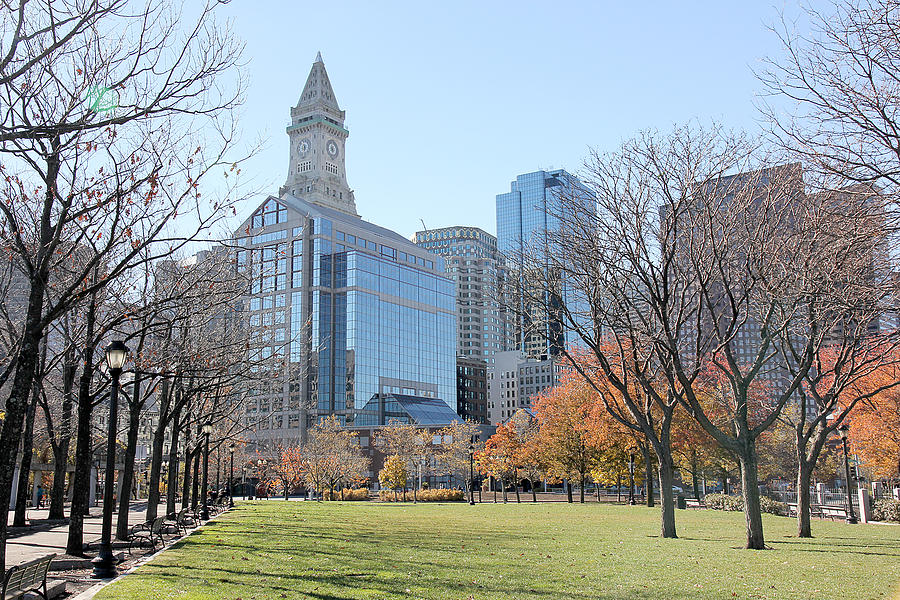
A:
{"x":231,"y":475}
{"x":105,"y":562}
{"x":472,"y":471}
{"x":631,"y":477}
{"x":204,"y":510}
{"x":844,"y":429}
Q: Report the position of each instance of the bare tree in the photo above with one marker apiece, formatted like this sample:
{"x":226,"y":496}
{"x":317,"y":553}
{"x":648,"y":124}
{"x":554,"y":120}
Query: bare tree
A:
{"x":840,"y":81}
{"x":110,"y":176}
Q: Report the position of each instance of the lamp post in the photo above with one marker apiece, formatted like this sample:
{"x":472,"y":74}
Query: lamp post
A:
{"x":472,"y":471}
{"x":204,"y":510}
{"x":105,"y":562}
{"x":844,"y":429}
{"x":631,"y":476}
{"x":231,"y":475}
{"x":243,"y":483}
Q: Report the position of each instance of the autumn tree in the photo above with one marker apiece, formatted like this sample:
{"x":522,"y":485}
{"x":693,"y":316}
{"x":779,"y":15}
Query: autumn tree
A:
{"x":875,"y":428}
{"x":452,"y":454}
{"x":393,"y":475}
{"x":568,"y":415}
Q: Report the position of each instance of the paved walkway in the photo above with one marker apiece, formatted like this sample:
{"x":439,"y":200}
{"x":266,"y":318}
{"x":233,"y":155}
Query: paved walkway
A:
{"x":41,"y":542}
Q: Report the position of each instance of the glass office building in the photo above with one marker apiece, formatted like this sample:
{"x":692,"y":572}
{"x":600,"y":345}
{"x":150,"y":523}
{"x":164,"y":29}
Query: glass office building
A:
{"x":338,"y":310}
{"x":353,"y":309}
{"x":524,"y":215}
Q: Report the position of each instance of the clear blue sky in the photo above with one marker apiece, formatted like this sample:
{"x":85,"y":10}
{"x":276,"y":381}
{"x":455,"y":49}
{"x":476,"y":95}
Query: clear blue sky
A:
{"x":448,"y":101}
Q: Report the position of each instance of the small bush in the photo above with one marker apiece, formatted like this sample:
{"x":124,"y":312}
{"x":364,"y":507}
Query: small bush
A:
{"x":773,"y":507}
{"x":423,"y":496}
{"x":349,"y":494}
{"x":886,"y":510}
{"x":715,"y":501}
{"x":736,"y":503}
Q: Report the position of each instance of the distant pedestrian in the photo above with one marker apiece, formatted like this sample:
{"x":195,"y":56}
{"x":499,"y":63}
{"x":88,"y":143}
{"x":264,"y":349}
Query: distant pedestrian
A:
{"x":40,"y":497}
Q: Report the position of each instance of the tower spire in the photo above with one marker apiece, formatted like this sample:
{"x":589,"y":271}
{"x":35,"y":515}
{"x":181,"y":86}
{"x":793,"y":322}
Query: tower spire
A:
{"x":316,"y":169}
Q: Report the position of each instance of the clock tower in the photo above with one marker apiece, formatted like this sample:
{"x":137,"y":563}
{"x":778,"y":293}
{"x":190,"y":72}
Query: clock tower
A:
{"x":317,"y":173}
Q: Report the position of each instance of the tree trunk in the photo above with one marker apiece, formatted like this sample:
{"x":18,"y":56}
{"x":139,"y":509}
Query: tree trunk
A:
{"x":750,"y":484}
{"x":172,"y":484}
{"x":533,"y":492}
{"x":694,"y":469}
{"x":127,"y":474}
{"x":568,"y":491}
{"x":618,"y":487}
{"x":516,"y":483}
{"x":24,"y":490}
{"x":195,"y":484}
{"x":503,"y":487}
{"x":61,"y":450}
{"x":804,"y":478}
{"x":648,"y":475}
{"x":667,"y":498}
{"x":156,"y":453}
{"x":81,"y":477}
{"x":597,"y":489}
{"x":581,"y":490}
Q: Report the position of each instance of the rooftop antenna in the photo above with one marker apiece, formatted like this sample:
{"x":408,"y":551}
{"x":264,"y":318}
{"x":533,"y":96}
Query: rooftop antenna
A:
{"x":424,"y":226}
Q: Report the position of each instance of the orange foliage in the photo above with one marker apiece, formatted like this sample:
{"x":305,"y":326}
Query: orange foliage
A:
{"x":875,"y":427}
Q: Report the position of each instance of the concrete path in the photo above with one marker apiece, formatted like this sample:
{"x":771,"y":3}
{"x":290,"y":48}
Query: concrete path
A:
{"x":40,"y":542}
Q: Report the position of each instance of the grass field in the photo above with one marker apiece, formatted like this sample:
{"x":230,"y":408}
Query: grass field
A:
{"x":337,"y":551}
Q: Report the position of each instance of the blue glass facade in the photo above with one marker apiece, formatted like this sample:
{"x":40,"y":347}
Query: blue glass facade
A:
{"x":524,"y":215}
{"x":379,"y":326}
{"x":352,"y":309}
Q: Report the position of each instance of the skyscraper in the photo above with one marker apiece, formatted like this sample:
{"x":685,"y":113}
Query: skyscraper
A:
{"x":473,"y":263}
{"x":348,"y":310}
{"x":524,"y":216}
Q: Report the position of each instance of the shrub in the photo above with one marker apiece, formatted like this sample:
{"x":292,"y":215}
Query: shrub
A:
{"x":715,"y":501}
{"x":423,"y":496}
{"x":723,"y":502}
{"x":349,"y":494}
{"x":886,"y":510}
{"x":773,"y":507}
{"x":734,"y":503}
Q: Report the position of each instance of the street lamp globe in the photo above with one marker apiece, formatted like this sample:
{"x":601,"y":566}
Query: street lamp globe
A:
{"x":231,"y":447}
{"x":843,"y":430}
{"x":116,"y":353}
{"x":207,"y":428}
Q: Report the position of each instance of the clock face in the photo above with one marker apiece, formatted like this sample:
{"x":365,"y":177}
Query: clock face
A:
{"x":303,"y":146}
{"x":332,"y":148}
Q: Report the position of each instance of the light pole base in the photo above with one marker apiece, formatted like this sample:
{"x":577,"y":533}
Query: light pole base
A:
{"x":104,"y":565}
{"x":204,"y":512}
{"x":851,"y":520}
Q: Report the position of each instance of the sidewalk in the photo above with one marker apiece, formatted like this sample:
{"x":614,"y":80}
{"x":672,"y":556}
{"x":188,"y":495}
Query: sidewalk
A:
{"x":41,"y":541}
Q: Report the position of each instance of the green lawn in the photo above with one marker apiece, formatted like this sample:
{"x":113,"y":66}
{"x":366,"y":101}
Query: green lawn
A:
{"x":332,"y":550}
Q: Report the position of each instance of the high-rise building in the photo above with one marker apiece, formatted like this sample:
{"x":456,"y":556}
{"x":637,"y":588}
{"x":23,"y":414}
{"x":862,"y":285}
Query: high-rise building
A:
{"x":473,"y":263}
{"x":525,"y":215}
{"x":515,"y":381}
{"x":471,"y":390}
{"x":346,"y":310}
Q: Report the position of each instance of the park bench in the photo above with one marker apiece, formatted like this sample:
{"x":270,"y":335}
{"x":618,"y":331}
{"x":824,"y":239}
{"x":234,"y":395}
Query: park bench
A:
{"x":694,"y":503}
{"x":27,"y":577}
{"x":833,"y":512}
{"x":814,"y":510}
{"x":150,"y":531}
{"x":179,"y":522}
